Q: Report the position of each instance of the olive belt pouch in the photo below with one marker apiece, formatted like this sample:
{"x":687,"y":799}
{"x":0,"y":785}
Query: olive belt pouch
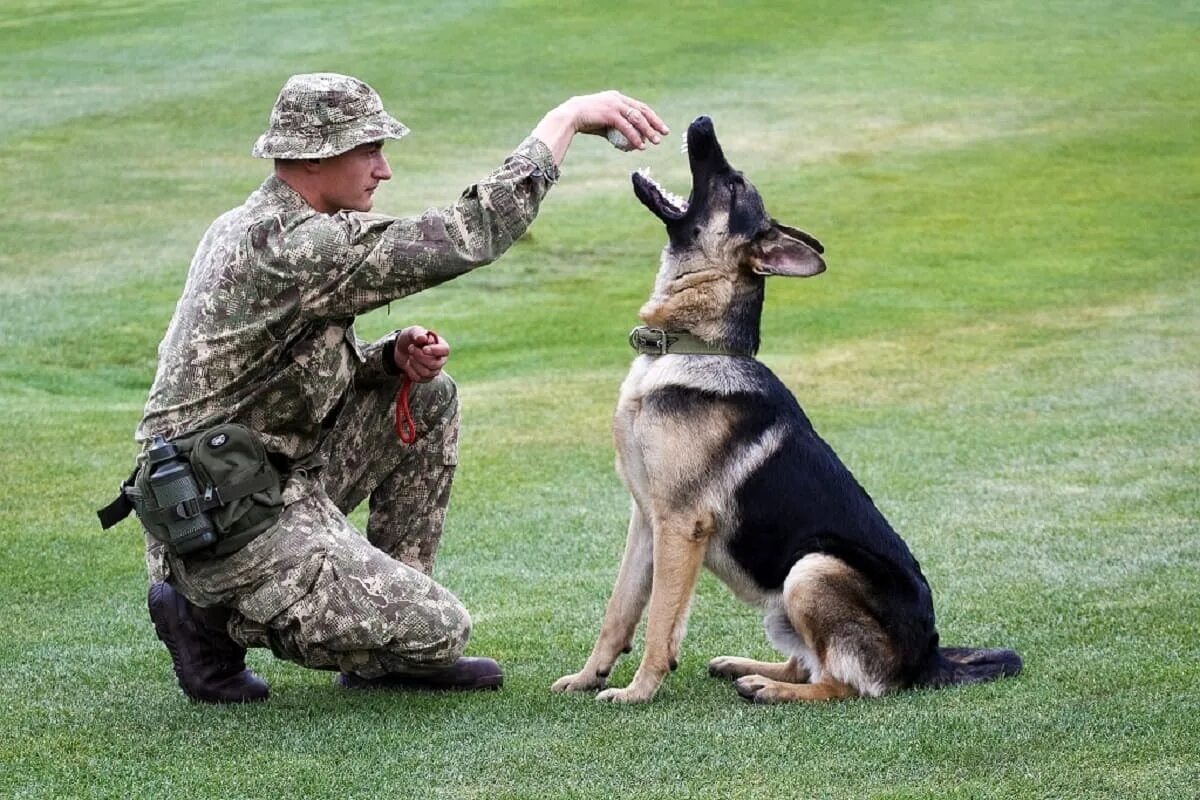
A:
{"x":232,"y":495}
{"x":232,"y":460}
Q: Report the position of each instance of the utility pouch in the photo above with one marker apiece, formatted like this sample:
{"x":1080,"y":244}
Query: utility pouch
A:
{"x":209,"y":493}
{"x":231,"y":462}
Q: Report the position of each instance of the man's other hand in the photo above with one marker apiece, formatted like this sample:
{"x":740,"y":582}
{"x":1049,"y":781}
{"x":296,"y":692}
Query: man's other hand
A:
{"x":420,"y":353}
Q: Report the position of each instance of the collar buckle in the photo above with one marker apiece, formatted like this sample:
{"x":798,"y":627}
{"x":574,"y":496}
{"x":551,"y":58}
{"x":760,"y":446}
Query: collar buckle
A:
{"x":650,"y":341}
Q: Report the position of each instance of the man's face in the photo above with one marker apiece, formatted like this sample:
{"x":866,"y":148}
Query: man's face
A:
{"x":348,"y":181}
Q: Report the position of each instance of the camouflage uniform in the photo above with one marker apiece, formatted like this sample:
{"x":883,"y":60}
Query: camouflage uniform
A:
{"x":263,"y":336}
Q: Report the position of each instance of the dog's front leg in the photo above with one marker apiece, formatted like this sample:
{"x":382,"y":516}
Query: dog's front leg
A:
{"x":624,"y":610}
{"x":679,"y":545}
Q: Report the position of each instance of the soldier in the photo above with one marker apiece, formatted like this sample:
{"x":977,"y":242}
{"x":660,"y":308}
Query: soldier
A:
{"x":263,"y":336}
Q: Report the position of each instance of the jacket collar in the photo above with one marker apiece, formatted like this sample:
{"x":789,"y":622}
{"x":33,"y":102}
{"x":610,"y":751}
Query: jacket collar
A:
{"x":276,"y":193}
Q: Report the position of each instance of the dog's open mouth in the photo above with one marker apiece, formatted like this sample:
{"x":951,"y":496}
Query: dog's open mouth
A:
{"x":704,"y":158}
{"x":665,"y":205}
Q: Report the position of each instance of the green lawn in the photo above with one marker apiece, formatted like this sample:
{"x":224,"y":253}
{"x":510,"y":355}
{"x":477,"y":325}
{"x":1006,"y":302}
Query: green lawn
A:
{"x":1004,"y":350}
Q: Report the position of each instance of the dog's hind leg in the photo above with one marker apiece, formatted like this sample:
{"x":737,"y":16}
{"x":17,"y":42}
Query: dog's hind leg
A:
{"x":783,"y":635}
{"x":679,"y":544}
{"x":761,"y":689}
{"x":832,"y":631}
{"x":624,"y":610}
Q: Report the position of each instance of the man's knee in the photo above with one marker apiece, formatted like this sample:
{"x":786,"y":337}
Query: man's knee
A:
{"x":427,"y":621}
{"x":387,"y":615}
{"x":437,"y":639}
{"x":434,"y":406}
{"x":435,"y":402}
{"x":457,"y":632}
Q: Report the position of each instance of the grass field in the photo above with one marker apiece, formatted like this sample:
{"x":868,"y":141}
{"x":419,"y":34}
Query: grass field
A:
{"x":1004,"y":350}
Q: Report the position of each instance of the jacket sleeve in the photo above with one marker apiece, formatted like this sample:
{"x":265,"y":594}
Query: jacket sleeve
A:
{"x":377,"y":357}
{"x":349,"y":263}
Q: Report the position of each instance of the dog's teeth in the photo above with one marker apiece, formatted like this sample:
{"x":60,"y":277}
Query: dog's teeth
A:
{"x":675,"y":200}
{"x":683,"y":146}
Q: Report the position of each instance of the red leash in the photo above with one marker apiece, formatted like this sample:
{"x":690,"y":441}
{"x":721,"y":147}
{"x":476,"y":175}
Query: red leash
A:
{"x":406,"y":429}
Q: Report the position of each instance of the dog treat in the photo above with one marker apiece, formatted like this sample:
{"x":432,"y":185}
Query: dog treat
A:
{"x":618,"y":140}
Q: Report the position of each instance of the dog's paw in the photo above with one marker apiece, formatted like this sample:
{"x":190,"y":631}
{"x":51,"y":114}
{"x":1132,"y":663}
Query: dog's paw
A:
{"x":579,"y":682}
{"x":626,"y":695}
{"x":758,"y":689}
{"x":726,"y":667}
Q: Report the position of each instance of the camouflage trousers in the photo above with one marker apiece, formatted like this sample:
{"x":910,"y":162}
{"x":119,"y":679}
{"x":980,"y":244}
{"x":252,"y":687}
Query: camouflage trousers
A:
{"x":315,"y":590}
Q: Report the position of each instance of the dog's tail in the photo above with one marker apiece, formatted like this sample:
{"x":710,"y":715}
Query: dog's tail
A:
{"x":954,"y":665}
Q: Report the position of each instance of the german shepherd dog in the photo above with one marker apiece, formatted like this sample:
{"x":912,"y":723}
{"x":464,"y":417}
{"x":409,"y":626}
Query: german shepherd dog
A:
{"x":726,"y":470}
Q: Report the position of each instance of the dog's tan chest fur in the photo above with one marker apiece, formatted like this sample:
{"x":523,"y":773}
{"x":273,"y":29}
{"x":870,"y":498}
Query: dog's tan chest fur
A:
{"x":690,"y":296}
{"x":663,"y":458}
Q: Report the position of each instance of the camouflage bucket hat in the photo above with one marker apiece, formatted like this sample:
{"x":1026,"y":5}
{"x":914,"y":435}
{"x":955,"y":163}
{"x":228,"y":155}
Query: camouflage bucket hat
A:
{"x":323,"y":114}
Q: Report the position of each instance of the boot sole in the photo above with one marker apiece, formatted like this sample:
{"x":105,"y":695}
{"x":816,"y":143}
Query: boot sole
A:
{"x":488,"y":683}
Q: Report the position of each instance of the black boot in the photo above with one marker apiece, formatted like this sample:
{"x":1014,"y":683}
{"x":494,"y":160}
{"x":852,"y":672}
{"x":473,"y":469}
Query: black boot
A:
{"x":211,"y":667}
{"x":464,"y":675}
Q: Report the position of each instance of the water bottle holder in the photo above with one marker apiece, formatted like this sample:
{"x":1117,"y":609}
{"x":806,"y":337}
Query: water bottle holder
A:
{"x":189,"y":509}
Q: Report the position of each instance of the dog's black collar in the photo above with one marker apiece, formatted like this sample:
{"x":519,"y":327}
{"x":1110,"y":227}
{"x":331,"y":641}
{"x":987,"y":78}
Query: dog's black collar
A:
{"x":658,"y":342}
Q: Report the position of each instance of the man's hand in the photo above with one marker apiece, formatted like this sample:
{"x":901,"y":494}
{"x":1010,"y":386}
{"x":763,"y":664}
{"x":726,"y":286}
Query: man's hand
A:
{"x":596,"y":113}
{"x":420,"y":353}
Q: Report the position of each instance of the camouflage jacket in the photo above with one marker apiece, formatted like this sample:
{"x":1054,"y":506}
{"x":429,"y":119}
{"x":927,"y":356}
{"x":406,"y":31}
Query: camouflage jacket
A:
{"x":263,"y":333}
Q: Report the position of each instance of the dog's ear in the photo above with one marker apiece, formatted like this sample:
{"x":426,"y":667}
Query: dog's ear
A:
{"x":783,"y":250}
{"x":796,"y":233}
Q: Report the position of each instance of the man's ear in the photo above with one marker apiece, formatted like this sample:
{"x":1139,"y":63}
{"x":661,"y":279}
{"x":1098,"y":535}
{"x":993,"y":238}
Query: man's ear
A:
{"x":783,"y":250}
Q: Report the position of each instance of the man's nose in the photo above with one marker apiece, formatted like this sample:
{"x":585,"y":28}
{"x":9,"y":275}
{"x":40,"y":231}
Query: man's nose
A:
{"x":382,"y":171}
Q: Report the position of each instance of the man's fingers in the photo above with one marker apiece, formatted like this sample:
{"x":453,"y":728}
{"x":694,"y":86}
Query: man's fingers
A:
{"x":633,"y":119}
{"x":630,"y":132}
{"x":419,"y":336}
{"x":430,"y":352}
{"x":652,"y":118}
{"x":424,"y":363}
{"x":420,"y":353}
{"x":421,"y":372}
{"x":640,"y":120}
